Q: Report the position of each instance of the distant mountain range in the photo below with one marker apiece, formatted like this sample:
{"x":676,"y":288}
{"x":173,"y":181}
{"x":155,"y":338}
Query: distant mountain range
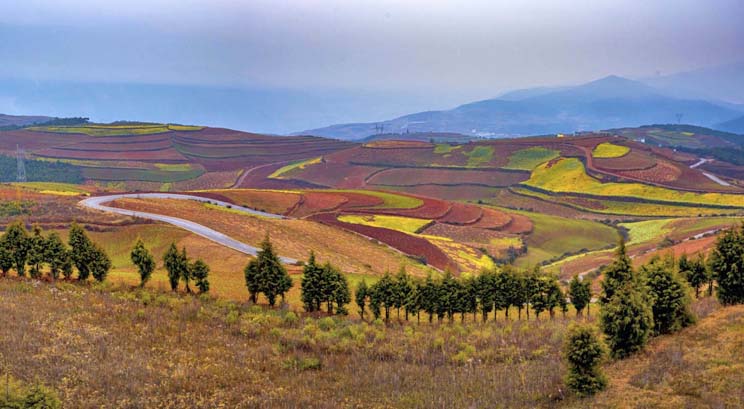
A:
{"x":611,"y":102}
{"x":21,"y":120}
{"x":735,"y":125}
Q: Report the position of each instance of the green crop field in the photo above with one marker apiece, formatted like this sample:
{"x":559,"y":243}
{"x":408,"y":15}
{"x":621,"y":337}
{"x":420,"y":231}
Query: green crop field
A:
{"x":443,"y":148}
{"x":648,"y":230}
{"x":554,"y":236}
{"x":568,"y":176}
{"x":609,"y":150}
{"x":479,"y":155}
{"x":530,"y":158}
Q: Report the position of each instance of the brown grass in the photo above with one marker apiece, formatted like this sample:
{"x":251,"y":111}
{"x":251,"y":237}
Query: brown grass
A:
{"x":118,"y":348}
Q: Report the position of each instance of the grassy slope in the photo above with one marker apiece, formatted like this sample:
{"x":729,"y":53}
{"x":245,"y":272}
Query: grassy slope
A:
{"x":699,"y":367}
{"x":609,"y":150}
{"x":552,"y":236}
{"x":528,"y":159}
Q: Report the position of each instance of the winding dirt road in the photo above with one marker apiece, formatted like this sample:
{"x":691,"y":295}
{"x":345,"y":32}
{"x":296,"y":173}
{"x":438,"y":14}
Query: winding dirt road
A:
{"x":97,"y":203}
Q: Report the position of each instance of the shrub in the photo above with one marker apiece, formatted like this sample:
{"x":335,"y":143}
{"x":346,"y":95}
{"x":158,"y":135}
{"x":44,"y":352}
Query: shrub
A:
{"x":583,"y":353}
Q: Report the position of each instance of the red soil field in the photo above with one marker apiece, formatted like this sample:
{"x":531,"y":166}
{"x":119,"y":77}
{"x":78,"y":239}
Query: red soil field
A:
{"x":404,"y":242}
{"x":462,"y":214}
{"x":334,"y":174}
{"x":31,"y":141}
{"x":397,"y":144}
{"x":494,"y":219}
{"x":431,"y":209}
{"x":446,"y":177}
{"x":518,"y":224}
{"x":315,"y":202}
{"x":633,"y":160}
{"x":662,"y":172}
{"x":168,"y":155}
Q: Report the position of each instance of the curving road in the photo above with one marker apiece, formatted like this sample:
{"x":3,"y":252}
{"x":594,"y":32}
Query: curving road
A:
{"x":97,"y":203}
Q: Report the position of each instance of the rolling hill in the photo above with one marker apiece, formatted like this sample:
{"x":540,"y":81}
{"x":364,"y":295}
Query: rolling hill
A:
{"x":735,"y":125}
{"x":610,"y":102}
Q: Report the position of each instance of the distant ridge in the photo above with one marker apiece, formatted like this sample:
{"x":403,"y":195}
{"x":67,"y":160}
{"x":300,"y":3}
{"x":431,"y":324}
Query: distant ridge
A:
{"x":610,"y":102}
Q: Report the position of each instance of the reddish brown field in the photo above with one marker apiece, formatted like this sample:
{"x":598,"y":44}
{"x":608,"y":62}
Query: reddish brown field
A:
{"x":404,"y":242}
{"x":446,"y":177}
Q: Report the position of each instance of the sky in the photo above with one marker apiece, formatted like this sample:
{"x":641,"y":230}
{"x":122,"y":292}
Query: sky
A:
{"x":453,"y":51}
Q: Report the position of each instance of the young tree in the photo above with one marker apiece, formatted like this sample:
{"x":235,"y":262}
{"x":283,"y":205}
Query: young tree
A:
{"x":57,"y":256}
{"x":486,"y":292}
{"x":266,"y":274}
{"x":626,"y":317}
{"x":539,"y":295}
{"x":430,"y":297}
{"x":584,"y":352}
{"x":17,"y":240}
{"x":727,"y":263}
{"x":361,"y":297}
{"x":185,"y":270}
{"x":694,"y":271}
{"x":382,"y":294}
{"x":100,"y":264}
{"x":37,"y":252}
{"x":669,"y":296}
{"x":627,"y":321}
{"x":143,"y":260}
{"x":579,"y":291}
{"x":414,"y":302}
{"x":617,"y":274}
{"x":556,"y":298}
{"x":403,"y":289}
{"x":199,"y":271}
{"x":81,"y":251}
{"x":339,"y":293}
{"x":311,"y":285}
{"x":172,"y":262}
{"x":6,"y":257}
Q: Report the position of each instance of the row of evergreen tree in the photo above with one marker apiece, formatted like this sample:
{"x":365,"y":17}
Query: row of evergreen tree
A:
{"x":34,"y":252}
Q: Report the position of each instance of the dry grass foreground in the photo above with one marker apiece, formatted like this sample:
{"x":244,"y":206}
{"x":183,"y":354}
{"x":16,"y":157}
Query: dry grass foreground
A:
{"x":104,"y":346}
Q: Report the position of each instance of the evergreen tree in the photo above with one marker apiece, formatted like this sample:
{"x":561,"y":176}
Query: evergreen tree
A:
{"x":340,"y":294}
{"x":311,"y":285}
{"x":414,"y":302}
{"x":584,"y":352}
{"x":81,"y":252}
{"x":172,"y":262}
{"x":6,"y":257}
{"x":37,"y":252}
{"x":185,"y":271}
{"x":669,"y":296}
{"x":627,"y":321}
{"x":556,"y":298}
{"x":429,"y":297}
{"x":266,"y":274}
{"x":486,"y":292}
{"x":403,"y":290}
{"x":143,"y":260}
{"x":619,"y":272}
{"x":19,"y":244}
{"x":694,"y":271}
{"x":506,"y":290}
{"x":579,"y":291}
{"x":539,"y":294}
{"x":626,"y":317}
{"x":450,"y":291}
{"x":100,"y":264}
{"x":361,"y":297}
{"x":727,"y":263}
{"x":199,"y":271}
{"x":382,"y":295}
{"x":57,"y":256}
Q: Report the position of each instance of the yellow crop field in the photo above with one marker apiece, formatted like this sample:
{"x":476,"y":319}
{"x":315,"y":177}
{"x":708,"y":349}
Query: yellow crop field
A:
{"x":399,"y":223}
{"x":104,"y":130}
{"x":609,"y":150}
{"x":641,"y":232}
{"x":279,"y":173}
{"x":569,"y":176}
{"x":528,"y":159}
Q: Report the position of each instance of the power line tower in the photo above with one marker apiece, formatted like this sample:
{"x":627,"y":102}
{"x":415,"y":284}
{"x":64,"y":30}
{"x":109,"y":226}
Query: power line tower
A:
{"x":21,"y":156}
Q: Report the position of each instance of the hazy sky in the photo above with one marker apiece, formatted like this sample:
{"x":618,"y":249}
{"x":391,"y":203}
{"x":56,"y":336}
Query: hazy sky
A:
{"x":465,"y":48}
